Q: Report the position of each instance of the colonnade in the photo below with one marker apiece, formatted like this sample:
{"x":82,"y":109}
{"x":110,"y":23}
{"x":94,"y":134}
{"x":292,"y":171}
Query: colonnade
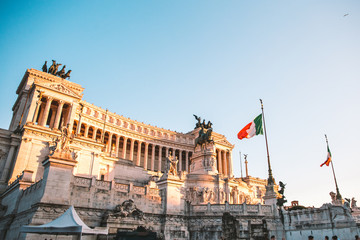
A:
{"x":147,"y":155}
{"x":55,"y":113}
{"x":224,"y":162}
{"x":52,"y":112}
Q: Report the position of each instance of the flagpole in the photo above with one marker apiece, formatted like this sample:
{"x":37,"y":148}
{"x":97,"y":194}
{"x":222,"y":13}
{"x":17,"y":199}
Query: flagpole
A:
{"x":270,"y":178}
{"x":241,"y":166}
{"x":338,"y":195}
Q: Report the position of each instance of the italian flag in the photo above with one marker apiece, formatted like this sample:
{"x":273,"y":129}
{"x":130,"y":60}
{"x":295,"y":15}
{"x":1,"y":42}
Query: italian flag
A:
{"x":252,"y":129}
{"x":328,"y":160}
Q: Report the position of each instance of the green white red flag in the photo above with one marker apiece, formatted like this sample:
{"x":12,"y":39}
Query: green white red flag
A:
{"x":252,"y":129}
{"x":328,"y":159}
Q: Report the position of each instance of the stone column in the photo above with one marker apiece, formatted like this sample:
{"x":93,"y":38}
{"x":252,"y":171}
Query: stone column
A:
{"x":68,"y":115}
{"x":58,"y":114}
{"x":132,"y":150}
{"x":187,"y":161}
{"x":46,"y":111}
{"x":124,"y":148}
{"x":146,"y":155}
{"x":38,"y":105}
{"x":94,"y":135}
{"x":86,"y":133}
{"x":78,"y":128}
{"x":153,"y":157}
{"x":160,"y":158}
{"x":173,"y":153}
{"x":117,"y":146}
{"x":9,"y":158}
{"x":180,"y":160}
{"x":226,"y":171}
{"x":109,"y":143}
{"x":41,"y":114}
{"x":230,"y":164}
{"x":220,"y":161}
{"x":138,"y":161}
{"x":52,"y":119}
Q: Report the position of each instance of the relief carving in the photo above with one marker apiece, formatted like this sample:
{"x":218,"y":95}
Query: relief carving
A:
{"x":126,"y":209}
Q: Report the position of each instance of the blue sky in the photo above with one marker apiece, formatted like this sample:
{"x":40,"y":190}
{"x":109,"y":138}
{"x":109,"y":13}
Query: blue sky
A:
{"x":161,"y":61}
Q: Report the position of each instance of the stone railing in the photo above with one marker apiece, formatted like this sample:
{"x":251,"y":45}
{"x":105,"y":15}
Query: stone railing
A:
{"x":82,"y":181}
{"x":121,"y":187}
{"x":139,"y":190}
{"x":243,"y":209}
{"x":105,"y":185}
{"x":33,"y":187}
{"x":112,"y":185}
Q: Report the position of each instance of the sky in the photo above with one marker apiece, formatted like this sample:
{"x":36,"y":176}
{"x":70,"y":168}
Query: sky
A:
{"x":160,"y":62}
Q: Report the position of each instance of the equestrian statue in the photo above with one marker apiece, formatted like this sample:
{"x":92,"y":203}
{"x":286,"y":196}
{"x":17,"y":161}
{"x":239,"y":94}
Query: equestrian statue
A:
{"x":204,"y":132}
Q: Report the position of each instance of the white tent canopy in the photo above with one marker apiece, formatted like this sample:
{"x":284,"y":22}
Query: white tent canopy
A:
{"x":69,"y":223}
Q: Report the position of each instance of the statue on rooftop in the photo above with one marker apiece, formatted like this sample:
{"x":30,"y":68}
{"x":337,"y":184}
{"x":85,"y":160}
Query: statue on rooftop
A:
{"x":61,"y":73}
{"x":56,"y":68}
{"x":198,"y":124}
{"x":52,"y":67}
{"x":44,"y":67}
{"x":67,"y":75}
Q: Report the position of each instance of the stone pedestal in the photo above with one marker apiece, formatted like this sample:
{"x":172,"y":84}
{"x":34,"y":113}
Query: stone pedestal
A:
{"x":171,"y":188}
{"x":203,"y":160}
{"x":270,"y":197}
{"x":173,"y":203}
{"x":202,"y":183}
{"x":58,"y":175}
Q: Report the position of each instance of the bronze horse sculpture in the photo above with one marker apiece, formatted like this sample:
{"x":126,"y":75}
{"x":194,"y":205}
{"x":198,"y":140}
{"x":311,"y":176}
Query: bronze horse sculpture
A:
{"x":204,"y":133}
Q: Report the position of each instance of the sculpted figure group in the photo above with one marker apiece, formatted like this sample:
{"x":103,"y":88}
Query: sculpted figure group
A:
{"x":61,"y":143}
{"x":280,"y":201}
{"x":53,"y":69}
{"x":204,"y":133}
{"x":172,"y":165}
{"x":197,"y":195}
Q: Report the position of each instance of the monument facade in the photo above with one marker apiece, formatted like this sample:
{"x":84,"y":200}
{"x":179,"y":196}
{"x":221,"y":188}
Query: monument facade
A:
{"x":124,"y":174}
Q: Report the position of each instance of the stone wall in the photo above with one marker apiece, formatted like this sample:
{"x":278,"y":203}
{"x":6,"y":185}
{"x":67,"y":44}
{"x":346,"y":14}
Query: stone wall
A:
{"x":232,"y":221}
{"x":93,"y":193}
{"x":327,"y":220}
